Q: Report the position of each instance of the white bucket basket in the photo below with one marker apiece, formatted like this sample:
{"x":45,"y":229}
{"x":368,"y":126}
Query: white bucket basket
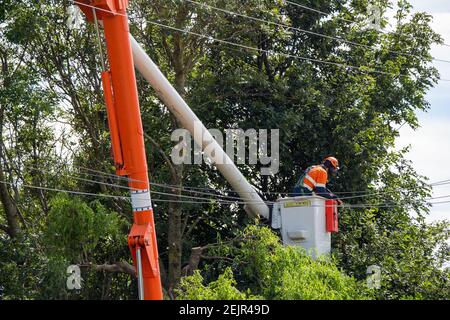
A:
{"x":302,"y":222}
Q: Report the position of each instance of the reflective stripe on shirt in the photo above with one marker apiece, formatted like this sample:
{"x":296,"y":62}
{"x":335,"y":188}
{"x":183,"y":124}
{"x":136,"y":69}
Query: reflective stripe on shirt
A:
{"x":320,"y":185}
{"x":311,"y":180}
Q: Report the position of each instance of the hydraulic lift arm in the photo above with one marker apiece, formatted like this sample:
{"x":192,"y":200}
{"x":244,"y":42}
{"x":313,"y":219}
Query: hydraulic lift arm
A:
{"x":125,"y":124}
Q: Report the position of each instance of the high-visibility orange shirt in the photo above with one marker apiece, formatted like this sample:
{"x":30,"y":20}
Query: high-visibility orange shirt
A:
{"x":316,"y":177}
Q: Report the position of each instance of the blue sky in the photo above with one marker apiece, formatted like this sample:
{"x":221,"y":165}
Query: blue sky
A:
{"x":430,"y":150}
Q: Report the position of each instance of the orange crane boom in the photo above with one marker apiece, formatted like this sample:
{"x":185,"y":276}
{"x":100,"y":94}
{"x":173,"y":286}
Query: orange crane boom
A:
{"x":125,"y":124}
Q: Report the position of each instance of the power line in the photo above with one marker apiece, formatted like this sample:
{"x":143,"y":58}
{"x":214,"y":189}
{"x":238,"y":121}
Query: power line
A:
{"x":67,"y":191}
{"x":102,"y":174}
{"x":441,"y":183}
{"x":283,"y":25}
{"x":76,"y":192}
{"x":217,"y":199}
{"x":342,"y":19}
{"x":97,"y":173}
{"x":97,"y":194}
{"x":81,"y":179}
{"x":167,"y":26}
{"x":355,"y":206}
{"x":212,"y":196}
{"x":317,"y":11}
{"x":360,"y":68}
{"x":168,"y":186}
{"x":213,"y":192}
{"x":221,"y":197}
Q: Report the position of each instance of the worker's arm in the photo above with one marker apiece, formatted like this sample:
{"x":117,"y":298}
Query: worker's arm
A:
{"x":324,"y":192}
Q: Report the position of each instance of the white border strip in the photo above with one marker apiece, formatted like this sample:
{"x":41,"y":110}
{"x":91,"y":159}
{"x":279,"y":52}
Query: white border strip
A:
{"x":141,"y":200}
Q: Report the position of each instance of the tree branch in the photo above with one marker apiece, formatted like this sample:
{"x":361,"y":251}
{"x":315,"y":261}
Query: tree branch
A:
{"x":118,"y":267}
{"x":194,"y":260}
{"x":216,"y":258}
{"x":197,"y":254}
{"x":160,"y":150}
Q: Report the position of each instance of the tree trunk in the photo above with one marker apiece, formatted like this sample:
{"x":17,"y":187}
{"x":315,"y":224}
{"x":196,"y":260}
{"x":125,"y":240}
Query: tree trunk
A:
{"x":9,"y":207}
{"x":174,"y":233}
{"x":175,"y":212}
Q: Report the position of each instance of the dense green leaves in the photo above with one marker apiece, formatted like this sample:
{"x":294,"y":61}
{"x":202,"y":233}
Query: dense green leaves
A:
{"x":224,"y":288}
{"x":264,"y":267}
{"x":411,"y":254}
{"x":75,"y":229}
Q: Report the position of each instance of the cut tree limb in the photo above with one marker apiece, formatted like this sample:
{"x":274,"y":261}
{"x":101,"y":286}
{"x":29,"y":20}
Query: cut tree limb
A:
{"x":194,"y":260}
{"x":118,"y":267}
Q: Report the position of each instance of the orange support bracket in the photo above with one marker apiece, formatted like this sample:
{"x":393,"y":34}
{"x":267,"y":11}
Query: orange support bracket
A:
{"x":140,"y":236}
{"x":125,"y":123}
{"x":112,"y":123}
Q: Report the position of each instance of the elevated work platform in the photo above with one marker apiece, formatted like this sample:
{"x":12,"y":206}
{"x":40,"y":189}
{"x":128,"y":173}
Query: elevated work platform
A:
{"x":306,"y":221}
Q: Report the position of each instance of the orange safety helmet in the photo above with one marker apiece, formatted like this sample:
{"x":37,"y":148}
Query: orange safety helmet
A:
{"x":332,"y":163}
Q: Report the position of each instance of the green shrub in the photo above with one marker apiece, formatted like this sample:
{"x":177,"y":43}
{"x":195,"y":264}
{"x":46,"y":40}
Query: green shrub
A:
{"x":224,"y":288}
{"x":264,"y":268}
{"x":75,"y":228}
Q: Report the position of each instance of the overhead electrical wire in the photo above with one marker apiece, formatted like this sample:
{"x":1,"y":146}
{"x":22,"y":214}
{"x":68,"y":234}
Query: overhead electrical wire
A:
{"x":67,"y":191}
{"x":76,"y":192}
{"x":362,"y":69}
{"x":210,"y":191}
{"x":343,"y":19}
{"x":283,"y":25}
{"x":317,"y":11}
{"x":213,"y":192}
{"x":220,"y":200}
{"x":167,"y":186}
{"x":391,"y":205}
{"x":221,"y":197}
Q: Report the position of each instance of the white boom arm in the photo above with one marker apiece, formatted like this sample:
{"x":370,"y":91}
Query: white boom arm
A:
{"x":179,"y":108}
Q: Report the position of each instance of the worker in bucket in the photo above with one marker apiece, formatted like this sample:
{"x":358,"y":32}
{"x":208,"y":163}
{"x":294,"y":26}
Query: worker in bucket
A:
{"x":315,"y":178}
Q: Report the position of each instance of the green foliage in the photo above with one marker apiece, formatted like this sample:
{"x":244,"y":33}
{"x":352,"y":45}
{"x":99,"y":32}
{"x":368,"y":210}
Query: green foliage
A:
{"x":75,"y":228}
{"x":412,"y":256}
{"x":21,"y":266}
{"x":80,"y":233}
{"x":76,"y":233}
{"x":267,"y":269}
{"x":224,"y":288}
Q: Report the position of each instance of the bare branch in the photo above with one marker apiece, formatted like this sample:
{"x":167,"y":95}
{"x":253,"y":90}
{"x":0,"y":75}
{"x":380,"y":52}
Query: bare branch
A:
{"x":197,"y":255}
{"x":216,"y":258}
{"x":161,"y":151}
{"x":118,"y":267}
{"x":194,"y":260}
